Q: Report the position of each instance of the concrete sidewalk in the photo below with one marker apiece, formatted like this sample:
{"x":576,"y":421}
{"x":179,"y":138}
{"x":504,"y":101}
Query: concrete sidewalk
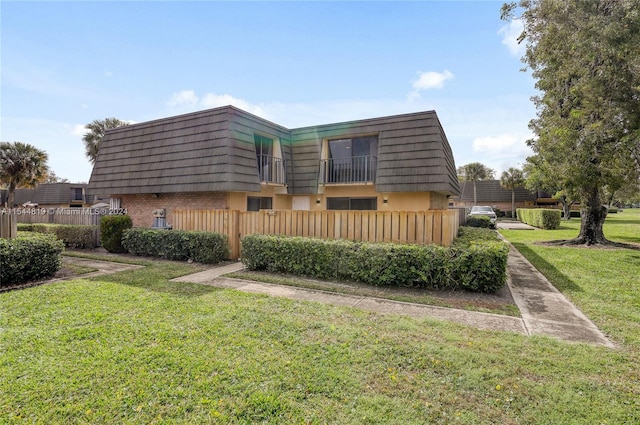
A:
{"x":545,"y":311}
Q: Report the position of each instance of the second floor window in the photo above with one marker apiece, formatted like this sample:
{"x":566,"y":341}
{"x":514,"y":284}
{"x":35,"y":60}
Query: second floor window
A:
{"x":351,"y":160}
{"x":264,"y":150}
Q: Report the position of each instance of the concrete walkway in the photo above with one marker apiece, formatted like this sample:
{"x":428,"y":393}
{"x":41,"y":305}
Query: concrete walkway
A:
{"x":545,"y":311}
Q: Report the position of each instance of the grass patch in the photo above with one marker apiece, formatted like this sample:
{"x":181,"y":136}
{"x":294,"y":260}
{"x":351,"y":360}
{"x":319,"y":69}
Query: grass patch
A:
{"x":489,"y":303}
{"x":77,"y":269}
{"x":603,"y":283}
{"x":133,"y":347}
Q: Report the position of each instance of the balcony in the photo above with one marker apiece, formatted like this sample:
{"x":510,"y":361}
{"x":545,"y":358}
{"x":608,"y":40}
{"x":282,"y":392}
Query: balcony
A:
{"x":355,"y":169}
{"x":272,"y":170}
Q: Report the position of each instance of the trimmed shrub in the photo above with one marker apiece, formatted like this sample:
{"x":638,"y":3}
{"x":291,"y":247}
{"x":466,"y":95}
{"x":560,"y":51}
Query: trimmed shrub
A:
{"x":111,"y":228}
{"x":468,"y":235}
{"x":202,"y":247}
{"x":547,"y":219}
{"x":17,"y":258}
{"x":73,"y":236}
{"x":479,"y":265}
{"x":479,"y":221}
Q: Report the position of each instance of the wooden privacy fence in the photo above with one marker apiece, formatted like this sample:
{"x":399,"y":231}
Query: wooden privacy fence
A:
{"x":76,"y":216}
{"x":8,"y":226}
{"x":414,"y":227}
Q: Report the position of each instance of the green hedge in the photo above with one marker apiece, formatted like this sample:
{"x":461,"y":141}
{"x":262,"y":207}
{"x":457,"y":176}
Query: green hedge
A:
{"x":547,"y":219}
{"x":202,"y":247}
{"x":111,"y":228}
{"x":73,"y":236}
{"x":18,"y":255}
{"x":478,"y":266}
{"x":479,"y":221}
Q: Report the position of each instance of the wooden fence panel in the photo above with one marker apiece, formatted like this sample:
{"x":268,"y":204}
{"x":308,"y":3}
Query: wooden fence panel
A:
{"x":8,"y":226}
{"x":416,"y":227}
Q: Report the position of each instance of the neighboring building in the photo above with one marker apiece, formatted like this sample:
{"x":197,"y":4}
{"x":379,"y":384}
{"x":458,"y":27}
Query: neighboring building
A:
{"x":491,"y":193}
{"x":226,"y":158}
{"x":51,"y":195}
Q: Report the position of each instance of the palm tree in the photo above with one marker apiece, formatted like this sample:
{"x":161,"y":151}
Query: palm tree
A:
{"x":473,"y":172}
{"x":93,"y":138}
{"x":510,"y":179}
{"x":21,"y":165}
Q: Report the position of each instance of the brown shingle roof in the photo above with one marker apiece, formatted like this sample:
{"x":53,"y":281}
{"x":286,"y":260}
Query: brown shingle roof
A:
{"x":214,"y":150}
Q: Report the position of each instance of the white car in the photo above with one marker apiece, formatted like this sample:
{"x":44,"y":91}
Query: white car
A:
{"x":486,"y":211}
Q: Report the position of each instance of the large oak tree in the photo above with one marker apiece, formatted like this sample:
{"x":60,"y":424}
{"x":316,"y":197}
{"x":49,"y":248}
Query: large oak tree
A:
{"x":585,"y":58}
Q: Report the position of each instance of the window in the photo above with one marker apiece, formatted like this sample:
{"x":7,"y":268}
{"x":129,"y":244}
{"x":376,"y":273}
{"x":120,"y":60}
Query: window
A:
{"x":76,"y":194}
{"x":351,"y":160}
{"x":271,"y":167}
{"x":264,"y":147}
{"x":257,"y":203}
{"x":355,"y":147}
{"x":352,"y":203}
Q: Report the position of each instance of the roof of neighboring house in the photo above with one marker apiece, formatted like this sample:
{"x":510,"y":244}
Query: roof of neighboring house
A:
{"x":214,"y":150}
{"x":490,"y":191}
{"x":48,"y":193}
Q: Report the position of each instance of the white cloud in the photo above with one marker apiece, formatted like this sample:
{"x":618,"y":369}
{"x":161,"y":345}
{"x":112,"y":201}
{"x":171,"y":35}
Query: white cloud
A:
{"x":503,"y":151}
{"x":184,"y":98}
{"x":432,"y":80}
{"x":108,"y":73}
{"x":510,"y":33}
{"x":188,"y":101}
{"x":212,"y":100}
{"x":79,"y":130}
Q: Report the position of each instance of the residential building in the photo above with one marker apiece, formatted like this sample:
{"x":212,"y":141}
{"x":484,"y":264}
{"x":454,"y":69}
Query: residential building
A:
{"x":226,"y":158}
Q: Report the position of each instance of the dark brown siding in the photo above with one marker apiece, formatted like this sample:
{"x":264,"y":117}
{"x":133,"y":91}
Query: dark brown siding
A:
{"x":187,"y":153}
{"x":413,"y":153}
{"x":214,"y":151}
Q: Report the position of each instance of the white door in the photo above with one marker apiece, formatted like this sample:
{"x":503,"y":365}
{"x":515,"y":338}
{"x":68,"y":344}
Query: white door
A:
{"x":301,"y":203}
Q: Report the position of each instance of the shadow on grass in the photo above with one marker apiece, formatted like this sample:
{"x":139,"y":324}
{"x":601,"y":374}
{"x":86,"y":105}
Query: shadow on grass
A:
{"x":157,"y":279}
{"x":555,"y":276}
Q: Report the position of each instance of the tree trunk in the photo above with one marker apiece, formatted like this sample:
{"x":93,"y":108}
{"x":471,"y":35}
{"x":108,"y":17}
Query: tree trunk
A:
{"x":593,"y":215}
{"x":474,"y":194}
{"x":566,"y":207}
{"x":11,"y":195}
{"x":513,"y":202}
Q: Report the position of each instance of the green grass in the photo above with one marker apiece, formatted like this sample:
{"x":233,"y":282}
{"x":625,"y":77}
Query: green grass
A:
{"x":134,"y":348}
{"x":460,"y":299}
{"x":604,"y":283}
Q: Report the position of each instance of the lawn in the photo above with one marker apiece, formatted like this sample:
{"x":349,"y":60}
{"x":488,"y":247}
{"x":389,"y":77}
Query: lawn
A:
{"x":135,"y":348}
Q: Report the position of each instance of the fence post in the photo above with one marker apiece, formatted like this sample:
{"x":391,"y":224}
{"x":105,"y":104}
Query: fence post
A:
{"x":8,"y":226}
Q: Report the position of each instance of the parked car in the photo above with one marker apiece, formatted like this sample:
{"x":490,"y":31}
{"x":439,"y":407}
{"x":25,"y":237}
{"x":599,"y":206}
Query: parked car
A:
{"x":486,"y":211}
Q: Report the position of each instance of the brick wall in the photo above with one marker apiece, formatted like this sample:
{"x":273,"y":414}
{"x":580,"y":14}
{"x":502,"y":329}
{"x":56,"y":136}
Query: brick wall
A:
{"x":140,"y":207}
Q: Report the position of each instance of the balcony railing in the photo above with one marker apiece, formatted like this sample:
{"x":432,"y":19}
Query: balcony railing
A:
{"x":272,"y":169}
{"x":355,"y":169}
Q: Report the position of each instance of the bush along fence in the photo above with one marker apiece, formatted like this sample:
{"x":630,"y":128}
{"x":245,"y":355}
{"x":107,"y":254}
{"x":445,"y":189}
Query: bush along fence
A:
{"x":542,"y":218}
{"x":476,"y":263}
{"x":71,"y":235}
{"x":111,"y":229}
{"x":17,"y":258}
{"x":202,"y":247}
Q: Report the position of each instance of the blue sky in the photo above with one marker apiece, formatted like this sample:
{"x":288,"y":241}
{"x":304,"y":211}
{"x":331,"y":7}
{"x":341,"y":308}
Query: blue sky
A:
{"x":65,"y":64}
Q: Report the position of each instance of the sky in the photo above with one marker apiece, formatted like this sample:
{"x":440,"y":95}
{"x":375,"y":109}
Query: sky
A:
{"x":65,"y":64}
